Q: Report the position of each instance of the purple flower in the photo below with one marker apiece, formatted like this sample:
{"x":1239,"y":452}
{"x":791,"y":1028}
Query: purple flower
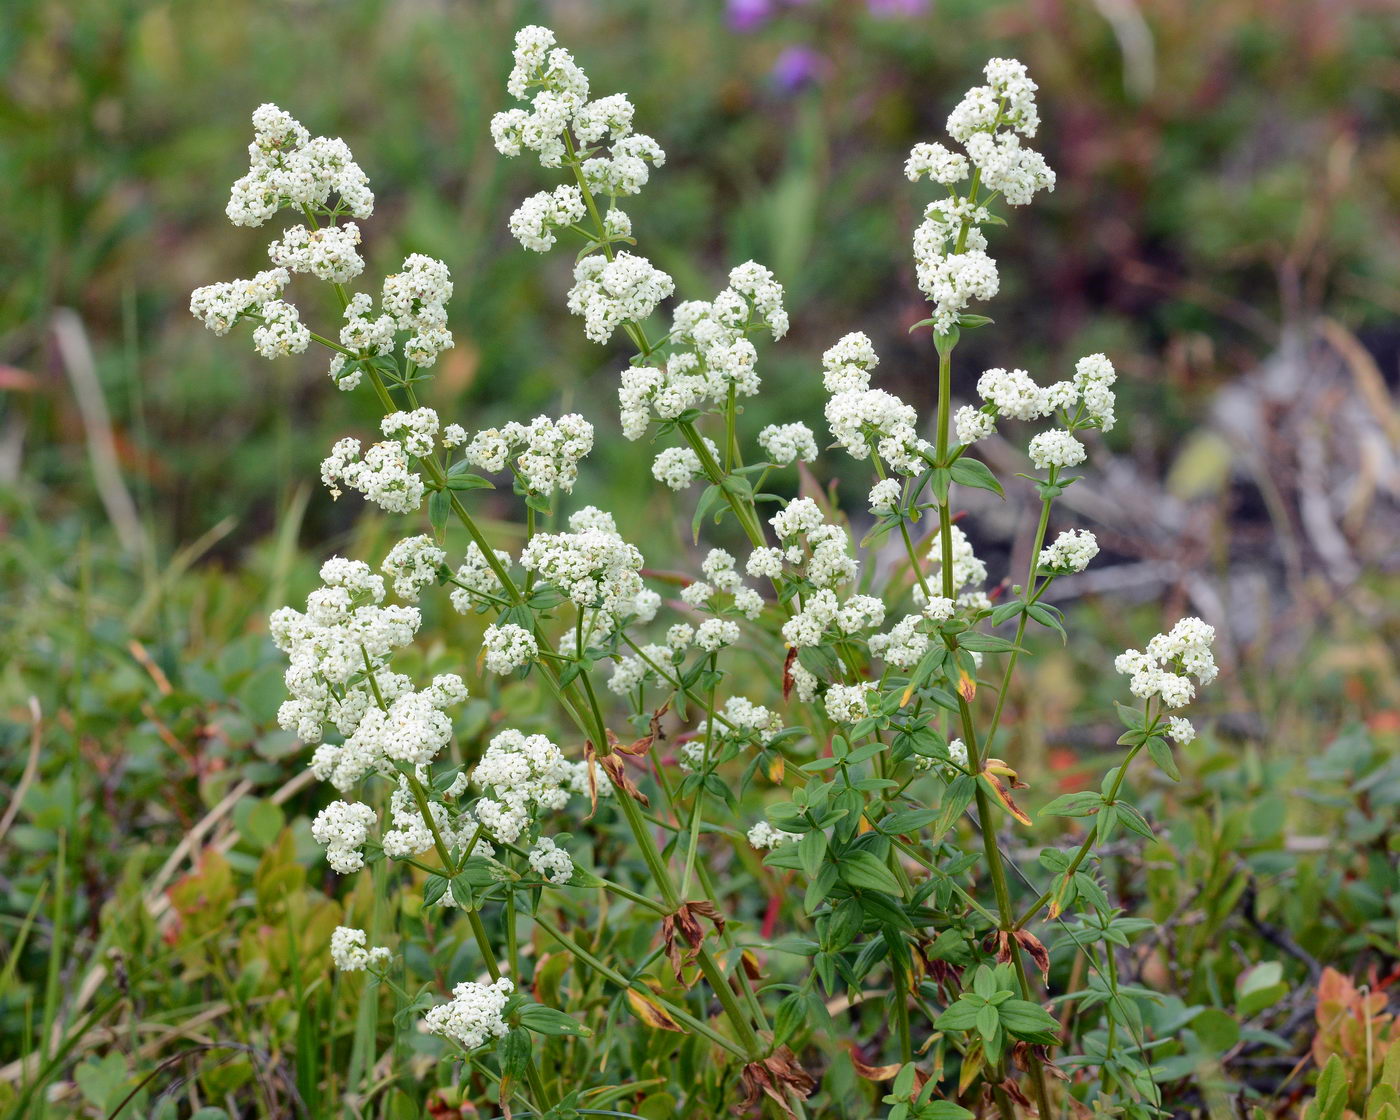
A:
{"x":747,"y":15}
{"x":896,"y":9}
{"x":797,"y":67}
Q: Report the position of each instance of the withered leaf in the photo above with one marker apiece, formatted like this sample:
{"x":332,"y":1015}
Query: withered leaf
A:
{"x":775,"y":1076}
{"x":684,"y":926}
{"x":1035,"y":950}
{"x":649,"y":1011}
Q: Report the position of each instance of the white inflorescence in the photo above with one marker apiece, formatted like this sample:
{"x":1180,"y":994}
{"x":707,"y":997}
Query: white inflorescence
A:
{"x":281,"y":331}
{"x":551,"y":862}
{"x":764,"y":835}
{"x":545,"y":453}
{"x":1056,"y":448}
{"x":711,"y":354}
{"x":342,"y":828}
{"x":1169,"y":662}
{"x":343,"y":629}
{"x":608,"y":293}
{"x":350,"y":951}
{"x":591,"y":564}
{"x":508,"y":647}
{"x":477,"y":579}
{"x":289,"y":168}
{"x":220,"y":306}
{"x":383,"y":475}
{"x":821,"y":552}
{"x":519,"y":774}
{"x":905,"y":644}
{"x":950,"y":249}
{"x":413,"y":564}
{"x":862,"y":418}
{"x":330,"y":253}
{"x":885,"y":495}
{"x":416,"y":297}
{"x":537,"y":218}
{"x":785,"y":444}
{"x":1071,"y":551}
{"x":969,"y":572}
{"x":412,"y":728}
{"x":473,"y":1016}
{"x":847,"y":703}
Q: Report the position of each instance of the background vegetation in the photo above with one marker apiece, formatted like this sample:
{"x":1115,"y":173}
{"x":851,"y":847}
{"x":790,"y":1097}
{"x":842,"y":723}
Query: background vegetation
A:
{"x":1224,"y":227}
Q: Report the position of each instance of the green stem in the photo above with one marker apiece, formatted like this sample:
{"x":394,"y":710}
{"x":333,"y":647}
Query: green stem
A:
{"x":1084,"y":848}
{"x":609,"y":973}
{"x":1030,"y":596}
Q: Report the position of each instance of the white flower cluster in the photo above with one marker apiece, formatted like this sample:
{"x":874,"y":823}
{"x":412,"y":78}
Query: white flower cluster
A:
{"x":412,"y":728}
{"x":861,"y":417}
{"x":413,"y":564}
{"x":935,"y":162}
{"x":819,"y":551}
{"x":472,"y":1017}
{"x":722,"y":578}
{"x":382,"y":476}
{"x":365,"y":333}
{"x":950,"y":249}
{"x":608,"y":293}
{"x":1056,"y":448}
{"x":764,"y":835}
{"x":416,"y":430}
{"x":848,"y":703}
{"x":1094,"y":377}
{"x":330,"y":253}
{"x":535,"y":220}
{"x":410,"y":834}
{"x":885,"y":496}
{"x":591,"y":564}
{"x":785,"y":444}
{"x":1071,"y":552}
{"x":549,"y":861}
{"x":220,"y":306}
{"x":823,"y":611}
{"x":678,"y":467}
{"x":520,"y":773}
{"x":632,"y":670}
{"x":905,"y":643}
{"x":545,"y":452}
{"x":350,"y":951}
{"x":1084,"y":401}
{"x":342,"y":828}
{"x":1169,"y":662}
{"x":417,"y":298}
{"x":328,"y":647}
{"x":957,"y":756}
{"x":508,"y":647}
{"x":287,"y":167}
{"x":742,"y":721}
{"x":281,"y":331}
{"x":710,"y":351}
{"x":477,"y":578}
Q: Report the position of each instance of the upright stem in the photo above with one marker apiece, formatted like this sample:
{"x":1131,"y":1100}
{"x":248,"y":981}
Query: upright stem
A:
{"x":986,"y":824}
{"x":945,"y":515}
{"x":1030,"y":596}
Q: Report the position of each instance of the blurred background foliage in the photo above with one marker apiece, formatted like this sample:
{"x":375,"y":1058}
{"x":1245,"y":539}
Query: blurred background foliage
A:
{"x":1224,"y":226}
